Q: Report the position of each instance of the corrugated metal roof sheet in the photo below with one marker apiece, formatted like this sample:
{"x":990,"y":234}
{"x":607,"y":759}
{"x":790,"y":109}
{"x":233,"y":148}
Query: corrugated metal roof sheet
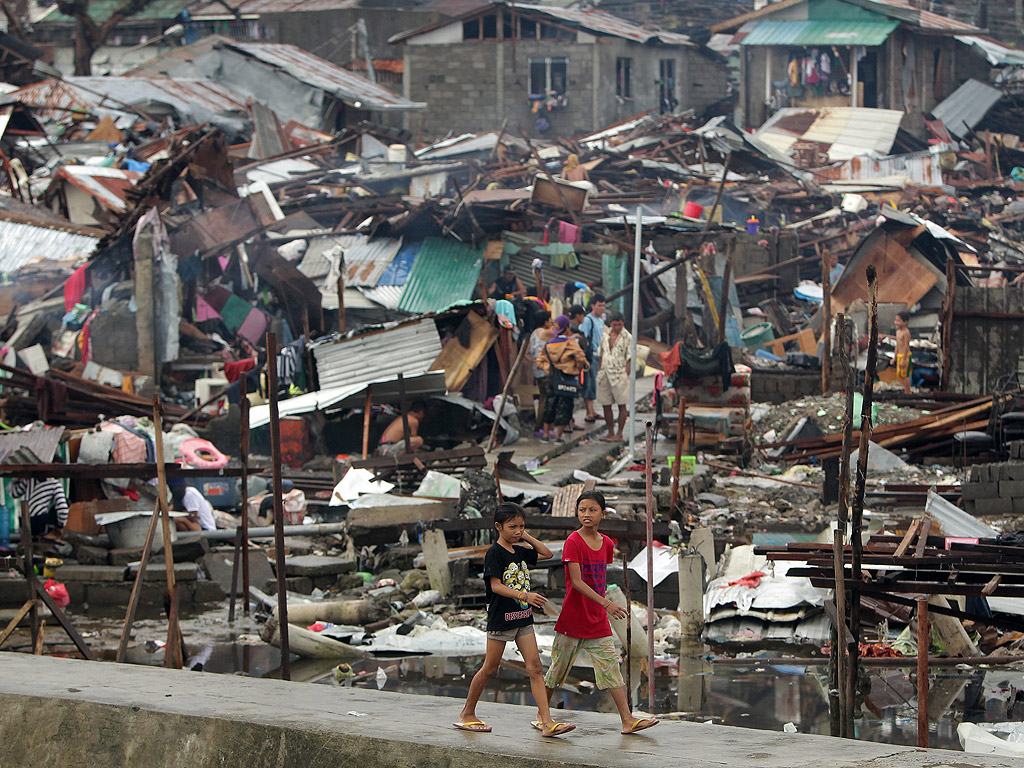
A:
{"x":589,"y":270}
{"x":316,"y":72}
{"x":445,"y":273}
{"x":994,"y":52}
{"x":248,"y":7}
{"x":365,"y":259}
{"x":397,"y":272}
{"x":895,"y":9}
{"x":101,"y":10}
{"x":409,"y":348}
{"x":193,"y":99}
{"x":109,"y":186}
{"x":387,"y":296}
{"x":597,"y":22}
{"x":848,"y":131}
{"x":21,"y":243}
{"x":819,"y":32}
{"x":42,"y":442}
{"x":966,"y":106}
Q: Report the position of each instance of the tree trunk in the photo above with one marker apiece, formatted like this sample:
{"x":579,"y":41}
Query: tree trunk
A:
{"x":85,"y":47}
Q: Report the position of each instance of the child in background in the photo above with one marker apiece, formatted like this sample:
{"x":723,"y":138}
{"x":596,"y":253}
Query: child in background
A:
{"x":583,"y":623}
{"x":510,"y":606}
{"x":903,"y":349}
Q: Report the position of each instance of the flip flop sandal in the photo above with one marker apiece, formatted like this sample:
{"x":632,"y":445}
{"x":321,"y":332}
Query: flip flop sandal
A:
{"x":557,"y":729}
{"x":642,"y":724}
{"x":470,"y":726}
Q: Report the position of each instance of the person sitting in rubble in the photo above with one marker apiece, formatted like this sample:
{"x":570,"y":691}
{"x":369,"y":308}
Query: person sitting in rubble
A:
{"x":188,"y":499}
{"x":573,"y":171}
{"x":508,"y":286}
{"x":392,"y":442}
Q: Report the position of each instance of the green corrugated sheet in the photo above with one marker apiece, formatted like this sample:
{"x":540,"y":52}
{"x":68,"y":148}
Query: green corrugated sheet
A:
{"x":100,"y":11}
{"x":444,"y":274}
{"x":819,"y":32}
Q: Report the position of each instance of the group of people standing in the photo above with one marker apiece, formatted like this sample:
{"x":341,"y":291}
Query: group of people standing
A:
{"x":587,"y":354}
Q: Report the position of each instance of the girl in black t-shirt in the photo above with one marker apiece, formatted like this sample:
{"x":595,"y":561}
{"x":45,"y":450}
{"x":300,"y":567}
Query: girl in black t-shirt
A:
{"x":510,"y":605}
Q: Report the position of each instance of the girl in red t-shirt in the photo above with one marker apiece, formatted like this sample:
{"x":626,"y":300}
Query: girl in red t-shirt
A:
{"x":583,"y":623}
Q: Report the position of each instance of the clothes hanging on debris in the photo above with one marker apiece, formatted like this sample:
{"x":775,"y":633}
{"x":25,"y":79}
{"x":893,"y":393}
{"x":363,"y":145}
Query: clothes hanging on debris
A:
{"x":289,"y":364}
{"x":42,"y":497}
{"x":205,"y":311}
{"x":682,"y":363}
{"x":75,"y":287}
{"x":506,"y":313}
{"x":129,"y":448}
{"x":568,"y":233}
{"x":234,"y":370}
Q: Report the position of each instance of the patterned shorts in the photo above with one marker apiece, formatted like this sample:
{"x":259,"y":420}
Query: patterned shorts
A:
{"x":602,"y":654}
{"x":511,"y":635}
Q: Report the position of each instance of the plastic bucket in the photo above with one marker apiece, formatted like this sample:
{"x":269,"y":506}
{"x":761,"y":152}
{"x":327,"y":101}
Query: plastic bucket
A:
{"x":693,"y":210}
{"x":759,"y":334}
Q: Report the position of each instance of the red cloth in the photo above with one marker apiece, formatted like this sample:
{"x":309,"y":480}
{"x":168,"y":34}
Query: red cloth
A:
{"x":670,"y":361}
{"x":751,"y":580}
{"x":233,"y":371}
{"x":581,"y":617}
{"x":74,"y":287}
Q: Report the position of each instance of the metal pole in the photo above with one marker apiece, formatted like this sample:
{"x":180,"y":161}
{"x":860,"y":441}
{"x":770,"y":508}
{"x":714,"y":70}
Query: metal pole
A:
{"x":275,"y":451}
{"x":924,"y":644}
{"x":244,"y":449}
{"x":629,"y":629}
{"x":635,"y":328}
{"x":650,"y":571}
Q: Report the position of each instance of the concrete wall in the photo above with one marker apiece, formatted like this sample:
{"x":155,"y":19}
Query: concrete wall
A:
{"x":475,"y":85}
{"x":986,"y":337}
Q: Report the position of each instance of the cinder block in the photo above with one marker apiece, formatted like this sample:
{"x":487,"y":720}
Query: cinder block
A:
{"x":1012,"y":470}
{"x":969,"y":506}
{"x":995,"y":507}
{"x":91,"y":573}
{"x":1011,"y":489}
{"x":976,"y":474}
{"x":208,"y":591}
{"x":1018,"y":505}
{"x":980,"y":491}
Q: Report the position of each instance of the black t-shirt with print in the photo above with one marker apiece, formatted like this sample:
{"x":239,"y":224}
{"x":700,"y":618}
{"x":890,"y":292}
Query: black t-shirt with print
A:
{"x":513,"y":569}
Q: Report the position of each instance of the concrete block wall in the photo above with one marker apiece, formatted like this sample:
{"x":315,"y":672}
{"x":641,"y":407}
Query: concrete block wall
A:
{"x":986,"y":337}
{"x":995,"y":489}
{"x":768,"y":386}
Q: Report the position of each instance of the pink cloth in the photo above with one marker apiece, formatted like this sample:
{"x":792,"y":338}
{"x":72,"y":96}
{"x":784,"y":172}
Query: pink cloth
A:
{"x":568,"y":233}
{"x":253,"y":326}
{"x":75,"y":287}
{"x":204,"y":311}
{"x":129,"y":448}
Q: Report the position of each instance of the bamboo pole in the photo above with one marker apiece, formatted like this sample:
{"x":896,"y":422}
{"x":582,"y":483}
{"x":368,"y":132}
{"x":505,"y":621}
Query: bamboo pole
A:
{"x":275,"y":450}
{"x":649,"y":481}
{"x":133,"y":600}
{"x":826,"y":314}
{"x":629,"y":630}
{"x":845,"y":701}
{"x":924,"y":644}
{"x":172,"y":652}
{"x":857,"y":510}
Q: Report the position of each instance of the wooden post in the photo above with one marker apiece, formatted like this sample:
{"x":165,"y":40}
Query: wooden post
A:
{"x":691,"y":595}
{"x":435,"y":556}
{"x":37,"y":650}
{"x":172,"y":652}
{"x":839,"y":635}
{"x":649,"y":482}
{"x":724,"y":303}
{"x":341,"y":296}
{"x":405,"y":413}
{"x":924,"y":644}
{"x":234,"y":574}
{"x":243,"y":385}
{"x":504,"y":393}
{"x":826,"y":316}
{"x":679,"y":454}
{"x":30,"y":571}
{"x":275,"y":451}
{"x":367,"y":408}
{"x":857,"y":509}
{"x":718,"y":195}
{"x":133,"y":600}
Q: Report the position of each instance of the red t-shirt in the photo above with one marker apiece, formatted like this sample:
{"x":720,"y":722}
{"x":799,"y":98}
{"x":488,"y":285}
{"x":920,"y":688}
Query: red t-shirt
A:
{"x":581,"y":617}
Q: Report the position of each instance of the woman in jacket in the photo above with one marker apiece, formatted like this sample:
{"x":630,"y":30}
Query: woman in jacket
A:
{"x":563,"y":360}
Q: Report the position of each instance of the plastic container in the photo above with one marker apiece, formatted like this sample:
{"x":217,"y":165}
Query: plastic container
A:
{"x":753,"y":225}
{"x":687,"y":464}
{"x":693,"y":210}
{"x":757,"y":335}
{"x":5,"y":525}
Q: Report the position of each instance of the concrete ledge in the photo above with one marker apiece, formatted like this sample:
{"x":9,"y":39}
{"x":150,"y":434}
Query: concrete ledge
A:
{"x":79,"y":713}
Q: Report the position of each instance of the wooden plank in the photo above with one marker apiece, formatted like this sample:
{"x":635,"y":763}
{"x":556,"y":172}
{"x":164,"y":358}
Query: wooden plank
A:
{"x":457,"y":361}
{"x":915,"y":526}
{"x":922,"y":540}
{"x":902,"y":279}
{"x":21,"y":614}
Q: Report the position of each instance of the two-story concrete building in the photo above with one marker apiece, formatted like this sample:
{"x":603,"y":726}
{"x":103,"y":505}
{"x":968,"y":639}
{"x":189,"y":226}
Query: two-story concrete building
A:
{"x":554,"y":71}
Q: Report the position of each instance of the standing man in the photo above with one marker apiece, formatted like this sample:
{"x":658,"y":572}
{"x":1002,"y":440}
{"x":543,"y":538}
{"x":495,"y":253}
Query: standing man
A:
{"x":613,"y":378}
{"x":591,"y":329}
